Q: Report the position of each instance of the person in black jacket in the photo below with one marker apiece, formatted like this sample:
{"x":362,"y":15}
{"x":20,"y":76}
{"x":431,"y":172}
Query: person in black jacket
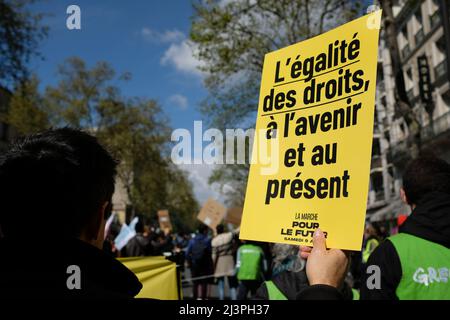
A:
{"x":424,"y":240}
{"x":139,"y":245}
{"x":412,"y":264}
{"x":56,"y":191}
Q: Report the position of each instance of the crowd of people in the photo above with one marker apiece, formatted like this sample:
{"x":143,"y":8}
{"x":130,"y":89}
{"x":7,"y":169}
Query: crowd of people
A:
{"x":249,"y":269}
{"x":148,"y":241}
{"x":60,"y":182}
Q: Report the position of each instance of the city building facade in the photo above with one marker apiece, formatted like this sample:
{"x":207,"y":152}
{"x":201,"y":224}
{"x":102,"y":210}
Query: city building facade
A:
{"x":422,"y":40}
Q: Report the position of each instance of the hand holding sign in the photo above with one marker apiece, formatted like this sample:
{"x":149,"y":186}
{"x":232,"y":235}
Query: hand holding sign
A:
{"x":324,"y":266}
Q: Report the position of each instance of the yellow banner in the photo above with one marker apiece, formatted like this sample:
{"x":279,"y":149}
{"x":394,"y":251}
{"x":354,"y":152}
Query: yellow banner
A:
{"x":315,"y":123}
{"x":157,"y":275}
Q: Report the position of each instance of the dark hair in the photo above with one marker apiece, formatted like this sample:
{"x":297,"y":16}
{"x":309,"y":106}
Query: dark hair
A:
{"x":220,"y":229}
{"x":202,"y":228}
{"x":54,"y":181}
{"x":424,"y":175}
{"x":139,"y":228}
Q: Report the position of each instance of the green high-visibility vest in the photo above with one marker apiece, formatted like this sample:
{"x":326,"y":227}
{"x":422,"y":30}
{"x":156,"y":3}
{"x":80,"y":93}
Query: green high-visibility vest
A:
{"x":355,"y":294}
{"x":371,"y":245}
{"x":425,"y":268}
{"x":274,"y":292}
{"x":249,"y":261}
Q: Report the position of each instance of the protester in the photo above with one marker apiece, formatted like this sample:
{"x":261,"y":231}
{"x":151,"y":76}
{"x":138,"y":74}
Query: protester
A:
{"x":179,"y":257}
{"x":168,"y":242}
{"x":198,"y":256}
{"x":181,"y":242}
{"x":289,"y":276}
{"x":371,"y":241}
{"x":286,"y":258}
{"x":161,"y":243}
{"x":414,"y":263}
{"x":108,"y":244}
{"x":223,"y":257}
{"x":139,"y":245}
{"x":58,"y":183}
{"x":250,"y":265}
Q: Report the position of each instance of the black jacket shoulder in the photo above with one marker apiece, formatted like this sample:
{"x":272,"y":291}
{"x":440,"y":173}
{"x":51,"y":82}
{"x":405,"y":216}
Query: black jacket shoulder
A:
{"x":386,"y":258}
{"x":48,"y":274}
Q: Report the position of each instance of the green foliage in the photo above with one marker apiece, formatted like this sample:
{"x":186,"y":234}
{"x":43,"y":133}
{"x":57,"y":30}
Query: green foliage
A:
{"x":26,"y":111}
{"x":134,"y":129}
{"x":181,"y":201}
{"x":231,"y":41}
{"x":78,"y":98}
{"x":20,"y":32}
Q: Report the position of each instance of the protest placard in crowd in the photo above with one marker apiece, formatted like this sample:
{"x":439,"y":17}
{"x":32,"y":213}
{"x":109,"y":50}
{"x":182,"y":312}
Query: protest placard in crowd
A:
{"x":164,"y":220}
{"x":212,"y":213}
{"x":234,"y":216}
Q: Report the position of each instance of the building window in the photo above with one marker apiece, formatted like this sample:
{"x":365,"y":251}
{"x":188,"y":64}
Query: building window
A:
{"x":376,"y":150}
{"x":392,"y":179}
{"x":406,"y":51}
{"x":404,"y":32}
{"x":435,"y":19}
{"x":386,"y":133}
{"x":403,"y":128}
{"x":446,"y":98}
{"x":383,"y":102}
{"x":410,"y":94}
{"x":418,"y":15}
{"x":377,"y":185}
{"x":418,"y":37}
{"x":409,"y":74}
{"x":440,"y":44}
{"x":440,"y":70}
{"x":380,"y":73}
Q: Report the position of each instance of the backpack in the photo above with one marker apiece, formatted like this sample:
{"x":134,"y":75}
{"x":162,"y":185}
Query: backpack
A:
{"x":199,"y":253}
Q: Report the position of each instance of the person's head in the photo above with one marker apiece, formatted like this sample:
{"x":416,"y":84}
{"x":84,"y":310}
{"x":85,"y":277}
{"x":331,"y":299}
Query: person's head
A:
{"x":424,"y":175}
{"x":371,"y":230}
{"x":202,"y":229}
{"x":220,"y":229}
{"x":59,"y":182}
{"x":286,"y":258}
{"x":139,"y":228}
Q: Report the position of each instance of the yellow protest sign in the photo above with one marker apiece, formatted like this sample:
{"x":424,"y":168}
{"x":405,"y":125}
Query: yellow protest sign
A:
{"x":316,"y":111}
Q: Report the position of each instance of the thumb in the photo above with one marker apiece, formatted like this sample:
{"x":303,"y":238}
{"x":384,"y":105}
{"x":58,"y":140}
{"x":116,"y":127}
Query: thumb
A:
{"x":319,"y":242}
